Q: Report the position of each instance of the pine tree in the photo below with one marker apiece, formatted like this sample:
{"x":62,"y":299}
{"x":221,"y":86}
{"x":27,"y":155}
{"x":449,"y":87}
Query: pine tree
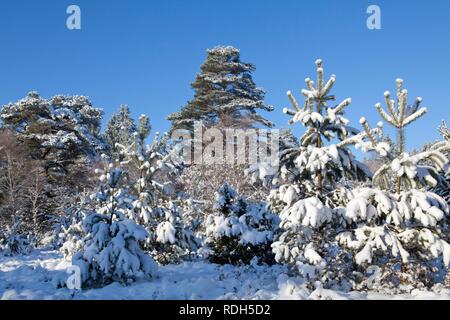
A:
{"x":111,"y":250}
{"x":310,"y":212}
{"x":398,"y":221}
{"x":224,"y":94}
{"x":120,"y":130}
{"x":444,"y":131}
{"x":315,"y":161}
{"x":152,"y":169}
{"x":239,"y":231}
{"x":410,"y":171}
{"x":62,"y":131}
{"x":444,"y":188}
{"x":174,"y":239}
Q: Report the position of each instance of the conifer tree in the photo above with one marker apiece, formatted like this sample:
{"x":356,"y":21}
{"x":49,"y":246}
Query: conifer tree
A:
{"x":398,"y":220}
{"x":323,"y":165}
{"x":174,"y":239}
{"x":152,"y":169}
{"x":410,"y":171}
{"x":225,"y":93}
{"x":62,"y":131}
{"x":239,"y":231}
{"x":120,"y":130}
{"x":444,"y":188}
{"x":110,"y":248}
{"x":444,"y":131}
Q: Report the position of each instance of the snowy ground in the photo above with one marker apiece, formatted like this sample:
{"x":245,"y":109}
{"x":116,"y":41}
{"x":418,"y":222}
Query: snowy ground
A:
{"x":35,"y":277}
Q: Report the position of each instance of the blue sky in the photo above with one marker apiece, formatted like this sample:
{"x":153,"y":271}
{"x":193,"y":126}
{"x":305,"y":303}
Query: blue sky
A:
{"x":146,"y":53}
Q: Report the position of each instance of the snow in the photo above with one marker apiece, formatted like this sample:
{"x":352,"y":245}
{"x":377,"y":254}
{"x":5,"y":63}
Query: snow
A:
{"x":34,"y":277}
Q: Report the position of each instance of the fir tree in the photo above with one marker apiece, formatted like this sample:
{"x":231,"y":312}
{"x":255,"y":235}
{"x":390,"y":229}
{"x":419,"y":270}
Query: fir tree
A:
{"x":224,"y":94}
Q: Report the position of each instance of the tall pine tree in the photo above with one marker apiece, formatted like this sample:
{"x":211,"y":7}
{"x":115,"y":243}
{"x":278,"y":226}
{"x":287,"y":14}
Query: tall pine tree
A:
{"x":225,"y":94}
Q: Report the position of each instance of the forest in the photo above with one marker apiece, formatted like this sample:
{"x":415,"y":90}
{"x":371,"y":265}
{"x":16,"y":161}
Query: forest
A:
{"x":124,"y":205}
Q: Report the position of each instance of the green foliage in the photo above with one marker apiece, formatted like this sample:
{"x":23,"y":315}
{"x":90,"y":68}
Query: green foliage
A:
{"x":120,"y":130}
{"x":224,"y":94}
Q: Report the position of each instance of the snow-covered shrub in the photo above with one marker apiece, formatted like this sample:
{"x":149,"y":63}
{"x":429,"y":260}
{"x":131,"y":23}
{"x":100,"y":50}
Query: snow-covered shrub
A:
{"x":201,"y":182}
{"x":174,"y":240}
{"x":385,"y":229}
{"x":239,"y":231}
{"x":111,"y":250}
{"x":72,"y":236}
{"x":12,"y":242}
{"x":307,"y":242}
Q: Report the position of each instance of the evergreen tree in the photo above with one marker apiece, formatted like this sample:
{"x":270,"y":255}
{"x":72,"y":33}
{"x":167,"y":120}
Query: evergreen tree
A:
{"x":111,"y":250}
{"x":398,"y":221}
{"x":62,"y":131}
{"x":120,"y":130}
{"x":410,"y":171}
{"x":314,"y":161}
{"x":152,"y":169}
{"x":310,"y":219}
{"x":224,"y":94}
{"x":444,"y":188}
{"x":444,"y":131}
{"x":174,"y":239}
{"x":239,"y":231}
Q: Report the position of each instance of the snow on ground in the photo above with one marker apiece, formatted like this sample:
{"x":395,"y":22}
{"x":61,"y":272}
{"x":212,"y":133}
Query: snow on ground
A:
{"x":35,"y":277}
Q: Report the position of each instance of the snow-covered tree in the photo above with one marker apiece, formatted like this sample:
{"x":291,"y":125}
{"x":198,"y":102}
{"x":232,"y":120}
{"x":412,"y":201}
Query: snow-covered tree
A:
{"x":398,"y":221}
{"x":120,"y":130}
{"x":314,"y":160}
{"x":61,"y":131}
{"x":444,"y":131}
{"x":69,"y":227}
{"x":444,"y":188}
{"x":281,"y":168}
{"x":311,"y":171}
{"x":224,"y":93}
{"x":152,"y":169}
{"x":239,"y":231}
{"x":13,"y":242}
{"x":174,"y":239}
{"x":111,"y":250}
{"x":409,"y":171}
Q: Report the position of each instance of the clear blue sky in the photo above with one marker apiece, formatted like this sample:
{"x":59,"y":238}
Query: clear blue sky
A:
{"x":146,"y":53}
